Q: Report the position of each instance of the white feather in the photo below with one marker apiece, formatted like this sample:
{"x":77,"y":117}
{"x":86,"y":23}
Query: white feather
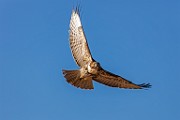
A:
{"x":76,"y":19}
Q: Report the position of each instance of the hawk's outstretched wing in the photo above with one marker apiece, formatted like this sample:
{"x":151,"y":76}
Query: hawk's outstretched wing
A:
{"x":78,"y":43}
{"x":113,"y":80}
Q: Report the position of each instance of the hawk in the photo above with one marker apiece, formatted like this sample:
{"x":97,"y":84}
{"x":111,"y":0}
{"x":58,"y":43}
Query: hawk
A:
{"x":90,"y":69}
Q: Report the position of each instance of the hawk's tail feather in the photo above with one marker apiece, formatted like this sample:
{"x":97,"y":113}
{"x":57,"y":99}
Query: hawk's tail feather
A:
{"x":73,"y":77}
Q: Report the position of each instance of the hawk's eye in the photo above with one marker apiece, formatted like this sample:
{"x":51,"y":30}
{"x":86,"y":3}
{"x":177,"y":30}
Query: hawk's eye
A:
{"x":95,"y":64}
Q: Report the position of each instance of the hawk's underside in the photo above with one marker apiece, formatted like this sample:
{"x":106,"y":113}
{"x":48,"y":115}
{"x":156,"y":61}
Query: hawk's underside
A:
{"x":89,"y":68}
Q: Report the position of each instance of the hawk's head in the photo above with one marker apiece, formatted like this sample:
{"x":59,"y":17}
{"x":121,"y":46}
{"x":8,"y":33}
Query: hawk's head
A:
{"x":93,"y":67}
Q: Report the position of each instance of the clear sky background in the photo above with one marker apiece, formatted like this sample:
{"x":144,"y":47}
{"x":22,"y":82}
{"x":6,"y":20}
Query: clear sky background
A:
{"x":137,"y":39}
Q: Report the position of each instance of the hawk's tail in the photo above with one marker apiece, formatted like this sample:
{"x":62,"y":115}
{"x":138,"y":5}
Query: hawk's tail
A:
{"x":73,"y":77}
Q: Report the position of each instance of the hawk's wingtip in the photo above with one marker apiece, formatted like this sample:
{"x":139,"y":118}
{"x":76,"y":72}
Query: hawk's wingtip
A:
{"x":77,"y":9}
{"x":145,"y":85}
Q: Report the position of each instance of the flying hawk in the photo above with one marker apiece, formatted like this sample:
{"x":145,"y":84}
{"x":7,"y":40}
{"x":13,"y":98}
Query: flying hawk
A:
{"x":89,"y":68}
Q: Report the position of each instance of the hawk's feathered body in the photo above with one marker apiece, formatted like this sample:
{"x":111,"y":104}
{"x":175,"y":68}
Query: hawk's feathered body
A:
{"x":89,"y":68}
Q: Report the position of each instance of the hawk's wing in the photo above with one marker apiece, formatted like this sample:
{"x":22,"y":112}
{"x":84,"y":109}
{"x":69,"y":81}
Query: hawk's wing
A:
{"x":113,"y":80}
{"x":78,"y":43}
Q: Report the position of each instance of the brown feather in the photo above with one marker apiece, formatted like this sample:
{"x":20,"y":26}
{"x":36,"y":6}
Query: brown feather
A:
{"x":73,"y":77}
{"x":113,"y":80}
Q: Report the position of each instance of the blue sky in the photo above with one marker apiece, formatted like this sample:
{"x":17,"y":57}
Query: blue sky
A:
{"x":139,"y":40}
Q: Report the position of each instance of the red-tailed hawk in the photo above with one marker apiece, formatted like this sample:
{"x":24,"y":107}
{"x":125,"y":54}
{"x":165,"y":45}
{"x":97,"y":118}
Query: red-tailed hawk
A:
{"x":90,"y":69}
